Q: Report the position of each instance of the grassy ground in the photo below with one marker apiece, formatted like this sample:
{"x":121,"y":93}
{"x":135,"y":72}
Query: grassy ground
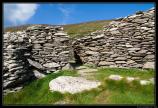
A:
{"x":110,"y":92}
{"x":122,"y":92}
{"x":37,"y":92}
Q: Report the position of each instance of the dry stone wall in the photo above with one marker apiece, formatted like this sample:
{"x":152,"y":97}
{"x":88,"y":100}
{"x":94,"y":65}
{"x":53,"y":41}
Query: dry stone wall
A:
{"x":125,"y":42}
{"x":16,"y":68}
{"x":34,"y":52}
{"x":51,"y":47}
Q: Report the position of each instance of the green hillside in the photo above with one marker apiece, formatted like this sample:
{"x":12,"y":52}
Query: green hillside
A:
{"x":79,"y":30}
{"x":73,"y":30}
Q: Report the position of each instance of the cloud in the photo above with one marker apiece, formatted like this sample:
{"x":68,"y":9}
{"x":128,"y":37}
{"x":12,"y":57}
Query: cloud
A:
{"x":19,"y":13}
{"x":66,"y":10}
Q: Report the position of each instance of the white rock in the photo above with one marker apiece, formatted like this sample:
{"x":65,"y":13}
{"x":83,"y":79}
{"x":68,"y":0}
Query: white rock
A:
{"x":120,"y":62}
{"x":71,"y":84}
{"x":129,"y":46}
{"x":129,"y":79}
{"x":38,"y":74}
{"x":144,"y":82}
{"x":60,"y":34}
{"x":51,"y":65}
{"x":115,"y":77}
{"x":133,"y":49}
{"x":98,"y":36}
{"x":148,"y":65}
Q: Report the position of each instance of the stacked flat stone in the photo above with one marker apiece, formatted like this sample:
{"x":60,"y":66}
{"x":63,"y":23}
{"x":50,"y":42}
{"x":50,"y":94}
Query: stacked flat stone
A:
{"x":50,"y":46}
{"x":125,"y":42}
{"x":16,"y":68}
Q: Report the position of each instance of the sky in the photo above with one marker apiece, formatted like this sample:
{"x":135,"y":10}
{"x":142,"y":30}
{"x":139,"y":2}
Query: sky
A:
{"x":63,"y":13}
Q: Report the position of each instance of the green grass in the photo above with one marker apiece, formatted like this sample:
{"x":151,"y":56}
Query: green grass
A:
{"x":37,"y":92}
{"x":110,"y":92}
{"x":83,"y":29}
{"x":129,"y":93}
{"x":143,"y":74}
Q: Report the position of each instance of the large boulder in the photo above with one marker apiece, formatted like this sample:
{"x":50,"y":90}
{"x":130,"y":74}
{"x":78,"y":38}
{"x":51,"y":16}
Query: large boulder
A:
{"x":71,"y":84}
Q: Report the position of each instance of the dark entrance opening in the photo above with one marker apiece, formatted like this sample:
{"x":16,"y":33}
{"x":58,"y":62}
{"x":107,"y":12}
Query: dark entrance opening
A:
{"x":77,"y":62}
{"x":77,"y":59}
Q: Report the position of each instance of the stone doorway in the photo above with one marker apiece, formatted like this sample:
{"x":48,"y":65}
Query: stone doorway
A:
{"x":78,"y":60}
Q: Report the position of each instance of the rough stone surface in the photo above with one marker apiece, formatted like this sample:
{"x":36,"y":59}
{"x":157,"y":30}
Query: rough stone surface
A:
{"x":129,"y":42}
{"x":39,"y":47}
{"x":38,"y":74}
{"x":148,"y":65}
{"x":71,"y":84}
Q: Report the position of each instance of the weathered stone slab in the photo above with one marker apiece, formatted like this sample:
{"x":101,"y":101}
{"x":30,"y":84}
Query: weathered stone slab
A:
{"x":35,"y":64}
{"x":72,"y":85}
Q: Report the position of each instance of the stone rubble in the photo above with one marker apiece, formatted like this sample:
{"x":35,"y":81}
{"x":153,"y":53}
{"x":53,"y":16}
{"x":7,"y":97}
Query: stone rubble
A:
{"x":16,"y":68}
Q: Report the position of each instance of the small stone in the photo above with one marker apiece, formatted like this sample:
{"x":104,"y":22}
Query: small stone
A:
{"x":115,"y":77}
{"x":37,"y":46}
{"x":149,"y":65}
{"x":129,"y":79}
{"x":120,"y":59}
{"x":51,"y":65}
{"x":133,"y":49}
{"x":150,"y":57}
{"x":129,"y":46}
{"x":114,"y":56}
{"x":13,"y":65}
{"x":91,"y":52}
{"x":38,"y":74}
{"x":60,"y":34}
{"x":116,"y":32}
{"x":104,"y":63}
{"x":130,"y":61}
{"x":98,"y":36}
{"x":93,"y":48}
{"x":140,"y":21}
{"x":144,"y":82}
{"x":120,"y":62}
{"x":39,"y":42}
